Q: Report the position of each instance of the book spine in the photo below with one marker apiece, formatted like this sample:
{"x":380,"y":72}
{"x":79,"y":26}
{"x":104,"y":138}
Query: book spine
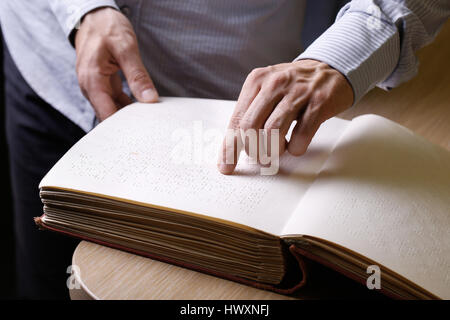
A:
{"x":285,"y":289}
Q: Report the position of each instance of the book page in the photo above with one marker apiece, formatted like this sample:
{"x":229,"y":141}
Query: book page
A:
{"x":165,"y":154}
{"x":384,"y":193}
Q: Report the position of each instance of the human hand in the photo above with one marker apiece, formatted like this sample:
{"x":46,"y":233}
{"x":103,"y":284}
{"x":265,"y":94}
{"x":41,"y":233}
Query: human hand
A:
{"x":273,"y":97}
{"x":105,"y":44}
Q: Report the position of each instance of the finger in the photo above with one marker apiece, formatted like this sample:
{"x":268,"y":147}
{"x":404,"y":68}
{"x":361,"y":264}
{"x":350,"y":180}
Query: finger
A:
{"x":139,"y":81}
{"x":231,"y":146}
{"x":277,"y":126}
{"x":255,"y":117}
{"x":230,"y":151}
{"x":121,"y":98}
{"x":100,"y":93}
{"x":304,"y":131}
{"x":103,"y":104}
{"x":249,"y":91}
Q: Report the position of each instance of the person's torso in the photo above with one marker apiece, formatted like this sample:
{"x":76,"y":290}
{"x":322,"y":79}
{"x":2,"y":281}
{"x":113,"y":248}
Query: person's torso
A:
{"x":201,"y":48}
{"x":206,"y":48}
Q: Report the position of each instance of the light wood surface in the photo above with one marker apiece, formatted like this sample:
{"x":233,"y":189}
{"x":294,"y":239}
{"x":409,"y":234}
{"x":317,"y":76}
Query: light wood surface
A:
{"x":422,"y":104}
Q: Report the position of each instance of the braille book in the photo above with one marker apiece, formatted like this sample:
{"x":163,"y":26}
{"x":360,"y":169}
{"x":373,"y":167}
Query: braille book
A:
{"x":368,"y":194}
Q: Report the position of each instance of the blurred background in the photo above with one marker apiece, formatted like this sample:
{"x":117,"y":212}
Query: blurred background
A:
{"x":6,"y":234}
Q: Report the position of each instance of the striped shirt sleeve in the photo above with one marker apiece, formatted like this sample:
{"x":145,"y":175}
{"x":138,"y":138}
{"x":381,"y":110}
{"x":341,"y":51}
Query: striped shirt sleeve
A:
{"x":373,"y":42}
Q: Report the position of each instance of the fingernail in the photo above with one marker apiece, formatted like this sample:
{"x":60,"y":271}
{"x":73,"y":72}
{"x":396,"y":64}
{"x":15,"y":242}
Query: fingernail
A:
{"x":225,"y":169}
{"x":149,"y":95}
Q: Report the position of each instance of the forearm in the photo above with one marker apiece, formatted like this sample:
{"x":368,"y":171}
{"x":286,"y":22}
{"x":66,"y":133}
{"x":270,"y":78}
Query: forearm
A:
{"x":376,"y":45}
{"x":70,"y":12}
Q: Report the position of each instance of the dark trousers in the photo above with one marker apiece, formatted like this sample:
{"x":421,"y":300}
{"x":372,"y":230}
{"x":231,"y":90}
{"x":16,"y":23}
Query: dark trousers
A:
{"x":37,"y":136}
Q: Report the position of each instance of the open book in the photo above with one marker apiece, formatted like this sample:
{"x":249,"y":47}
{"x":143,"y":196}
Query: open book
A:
{"x":367,"y":192}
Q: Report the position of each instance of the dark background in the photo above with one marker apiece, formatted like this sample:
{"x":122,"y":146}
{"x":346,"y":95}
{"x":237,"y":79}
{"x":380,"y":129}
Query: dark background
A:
{"x":7,"y":270}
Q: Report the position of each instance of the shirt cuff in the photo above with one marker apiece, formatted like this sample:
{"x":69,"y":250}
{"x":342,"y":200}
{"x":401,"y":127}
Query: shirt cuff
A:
{"x":363,"y":48}
{"x":70,"y":12}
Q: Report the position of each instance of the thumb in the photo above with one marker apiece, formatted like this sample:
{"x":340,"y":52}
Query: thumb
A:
{"x":139,"y":81}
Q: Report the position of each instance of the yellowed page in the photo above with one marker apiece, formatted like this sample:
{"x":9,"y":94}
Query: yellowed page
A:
{"x":384,"y":193}
{"x":138,"y":154}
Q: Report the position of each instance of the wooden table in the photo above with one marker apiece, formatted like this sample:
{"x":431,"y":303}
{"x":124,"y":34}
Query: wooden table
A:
{"x":422,"y":105}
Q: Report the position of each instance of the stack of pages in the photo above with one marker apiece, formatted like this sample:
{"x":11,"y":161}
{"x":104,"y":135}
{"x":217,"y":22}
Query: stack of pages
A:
{"x":367,"y":192}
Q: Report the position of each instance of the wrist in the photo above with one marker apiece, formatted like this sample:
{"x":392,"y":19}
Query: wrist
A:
{"x":86,"y":19}
{"x":326,"y":73}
